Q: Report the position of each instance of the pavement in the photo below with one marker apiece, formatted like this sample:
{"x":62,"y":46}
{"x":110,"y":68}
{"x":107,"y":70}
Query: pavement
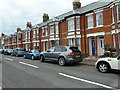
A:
{"x":91,"y":60}
{"x":25,"y":73}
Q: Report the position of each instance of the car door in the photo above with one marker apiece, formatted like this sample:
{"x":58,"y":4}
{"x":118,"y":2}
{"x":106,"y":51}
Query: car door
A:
{"x":48,"y":54}
{"x":56,"y":53}
{"x":29,"y":54}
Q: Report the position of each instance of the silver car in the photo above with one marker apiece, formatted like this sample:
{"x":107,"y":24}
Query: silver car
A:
{"x":18,"y":52}
{"x":62,"y":55}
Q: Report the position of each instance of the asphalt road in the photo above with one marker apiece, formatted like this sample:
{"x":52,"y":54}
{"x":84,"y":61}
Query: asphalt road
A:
{"x":18,"y":72}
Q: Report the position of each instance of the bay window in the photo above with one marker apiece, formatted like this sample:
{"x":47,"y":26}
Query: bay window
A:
{"x":71,"y":42}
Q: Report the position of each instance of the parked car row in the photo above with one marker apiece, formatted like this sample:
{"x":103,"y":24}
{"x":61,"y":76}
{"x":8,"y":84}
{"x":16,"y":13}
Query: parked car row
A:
{"x":65,"y":55}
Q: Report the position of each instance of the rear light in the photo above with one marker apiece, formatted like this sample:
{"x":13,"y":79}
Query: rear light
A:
{"x":70,"y":54}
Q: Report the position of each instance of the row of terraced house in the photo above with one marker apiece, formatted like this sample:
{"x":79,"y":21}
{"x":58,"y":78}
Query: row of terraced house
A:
{"x":90,"y":28}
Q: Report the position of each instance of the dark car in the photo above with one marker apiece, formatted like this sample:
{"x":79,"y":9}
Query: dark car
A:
{"x":62,"y":55}
{"x":18,"y":52}
{"x":1,"y":51}
{"x":33,"y":54}
{"x":8,"y":51}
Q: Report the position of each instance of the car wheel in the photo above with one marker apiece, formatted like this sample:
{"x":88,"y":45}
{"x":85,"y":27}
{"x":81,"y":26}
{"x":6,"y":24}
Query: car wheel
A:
{"x":62,"y":61}
{"x":42,"y":58}
{"x":32,"y":58}
{"x":16,"y":55}
{"x":103,"y":67}
{"x":24,"y":56}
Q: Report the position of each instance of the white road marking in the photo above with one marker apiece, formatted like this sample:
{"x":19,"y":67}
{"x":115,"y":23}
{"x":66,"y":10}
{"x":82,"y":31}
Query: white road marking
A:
{"x":0,"y":88}
{"x":9,"y":59}
{"x":87,"y":81}
{"x":28,"y":64}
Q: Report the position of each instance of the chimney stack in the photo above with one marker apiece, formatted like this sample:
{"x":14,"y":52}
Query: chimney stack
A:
{"x":76,"y":4}
{"x":45,"y":17}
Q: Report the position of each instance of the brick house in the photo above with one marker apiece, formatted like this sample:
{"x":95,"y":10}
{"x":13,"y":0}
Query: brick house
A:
{"x":90,"y":28}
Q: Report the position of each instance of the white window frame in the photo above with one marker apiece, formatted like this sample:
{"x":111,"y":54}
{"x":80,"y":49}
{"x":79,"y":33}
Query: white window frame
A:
{"x":97,"y":21}
{"x":43,"y":31}
{"x":71,"y":24}
{"x":118,"y":13}
{"x":78,"y":43}
{"x":46,"y":31}
{"x":113,"y":18}
{"x":71,"y":41}
{"x":90,"y":21}
{"x":119,"y":39}
{"x":77,"y":23}
{"x":51,"y":29}
{"x":57,"y":29}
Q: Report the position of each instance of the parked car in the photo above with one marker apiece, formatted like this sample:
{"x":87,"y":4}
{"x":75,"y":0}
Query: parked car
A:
{"x":1,"y":51}
{"x":8,"y":51}
{"x":106,"y":64}
{"x":18,"y":52}
{"x":33,"y":54}
{"x":62,"y":55}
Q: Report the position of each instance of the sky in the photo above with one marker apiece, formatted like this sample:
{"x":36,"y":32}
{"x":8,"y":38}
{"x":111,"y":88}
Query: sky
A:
{"x":16,"y":13}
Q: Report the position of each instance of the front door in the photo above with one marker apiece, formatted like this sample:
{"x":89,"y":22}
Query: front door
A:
{"x":93,"y":46}
{"x":101,"y":46}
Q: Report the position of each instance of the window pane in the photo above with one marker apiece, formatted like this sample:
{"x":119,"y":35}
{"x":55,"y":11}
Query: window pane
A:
{"x":119,"y":12}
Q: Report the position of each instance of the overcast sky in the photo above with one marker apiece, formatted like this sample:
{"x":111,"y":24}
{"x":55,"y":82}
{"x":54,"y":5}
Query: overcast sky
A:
{"x":15,"y":13}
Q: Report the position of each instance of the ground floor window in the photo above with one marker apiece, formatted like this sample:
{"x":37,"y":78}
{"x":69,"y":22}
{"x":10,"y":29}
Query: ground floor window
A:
{"x":78,"y":43}
{"x":28,"y":47}
{"x":57,"y":42}
{"x":36,"y":45}
{"x":46,"y":45}
{"x":71,"y":42}
{"x":52,"y":43}
{"x":114,"y":41}
{"x":119,"y":39}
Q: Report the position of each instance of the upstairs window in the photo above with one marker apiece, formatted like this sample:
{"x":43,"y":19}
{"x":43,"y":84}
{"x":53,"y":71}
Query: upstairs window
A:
{"x":56,"y":28}
{"x":52,"y":29}
{"x":113,"y":10}
{"x":43,"y":32}
{"x":90,"y":21}
{"x":118,"y":12}
{"x":46,"y":31}
{"x":99,"y":19}
{"x":71,"y":24}
{"x":78,"y":23}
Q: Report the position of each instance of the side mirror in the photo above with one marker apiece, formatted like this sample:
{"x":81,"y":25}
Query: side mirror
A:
{"x":118,"y":58}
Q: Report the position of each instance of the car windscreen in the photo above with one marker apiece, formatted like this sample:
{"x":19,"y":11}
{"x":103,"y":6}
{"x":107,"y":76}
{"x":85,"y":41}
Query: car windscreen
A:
{"x":74,"y":49}
{"x":21,"y":49}
{"x":37,"y":51}
{"x":116,"y":55}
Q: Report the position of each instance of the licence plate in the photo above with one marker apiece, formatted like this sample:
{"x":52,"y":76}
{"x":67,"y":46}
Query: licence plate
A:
{"x":77,"y":56}
{"x":37,"y":54}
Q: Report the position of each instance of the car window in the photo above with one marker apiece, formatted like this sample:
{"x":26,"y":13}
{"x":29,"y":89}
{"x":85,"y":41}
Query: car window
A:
{"x":36,"y":51}
{"x":52,"y":49}
{"x":116,"y":55}
{"x":58,"y":49}
{"x":64,"y":49}
{"x":30,"y":52}
{"x":74,"y":49}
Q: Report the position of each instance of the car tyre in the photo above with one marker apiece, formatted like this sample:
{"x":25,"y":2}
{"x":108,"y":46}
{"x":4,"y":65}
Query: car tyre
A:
{"x":32,"y":58}
{"x":24,"y":56}
{"x":16,"y":55}
{"x":62,"y":61}
{"x":103,"y":67}
{"x":42,"y":58}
